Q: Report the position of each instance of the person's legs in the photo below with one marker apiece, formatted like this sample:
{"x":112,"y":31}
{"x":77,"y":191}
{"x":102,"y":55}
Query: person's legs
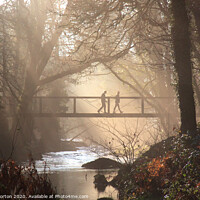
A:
{"x":114,"y":108}
{"x":104,"y":108}
{"x":119,"y":108}
{"x":100,"y":109}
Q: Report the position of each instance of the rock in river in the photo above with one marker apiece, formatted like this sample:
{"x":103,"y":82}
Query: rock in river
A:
{"x":102,"y":163}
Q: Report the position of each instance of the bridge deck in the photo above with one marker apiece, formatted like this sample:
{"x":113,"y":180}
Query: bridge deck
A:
{"x":97,"y":115}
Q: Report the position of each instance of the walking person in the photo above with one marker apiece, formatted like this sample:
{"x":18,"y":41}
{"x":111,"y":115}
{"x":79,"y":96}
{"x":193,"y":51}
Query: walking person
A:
{"x":117,"y":101}
{"x":103,"y":102}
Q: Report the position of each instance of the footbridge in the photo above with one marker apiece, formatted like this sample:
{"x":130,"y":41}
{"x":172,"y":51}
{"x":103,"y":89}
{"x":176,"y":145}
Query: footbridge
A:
{"x":87,"y":106}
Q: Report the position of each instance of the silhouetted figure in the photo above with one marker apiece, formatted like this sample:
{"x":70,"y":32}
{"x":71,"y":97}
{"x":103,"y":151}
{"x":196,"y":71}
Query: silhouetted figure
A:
{"x":117,"y":101}
{"x":103,"y":102}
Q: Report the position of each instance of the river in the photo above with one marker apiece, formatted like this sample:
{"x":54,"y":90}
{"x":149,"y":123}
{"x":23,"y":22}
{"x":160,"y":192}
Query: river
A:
{"x":70,"y":179}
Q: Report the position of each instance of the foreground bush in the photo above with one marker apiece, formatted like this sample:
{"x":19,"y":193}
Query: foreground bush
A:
{"x":173,"y":176}
{"x":184,"y":180}
{"x":23,"y":181}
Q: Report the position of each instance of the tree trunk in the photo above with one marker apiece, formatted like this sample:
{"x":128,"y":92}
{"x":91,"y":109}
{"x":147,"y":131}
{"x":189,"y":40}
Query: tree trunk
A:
{"x":183,"y":66}
{"x":195,"y":8}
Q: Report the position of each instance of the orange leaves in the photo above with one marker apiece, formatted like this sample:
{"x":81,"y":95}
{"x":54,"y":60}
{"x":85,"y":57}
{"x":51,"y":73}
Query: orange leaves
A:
{"x":152,"y":175}
{"x":157,"y":165}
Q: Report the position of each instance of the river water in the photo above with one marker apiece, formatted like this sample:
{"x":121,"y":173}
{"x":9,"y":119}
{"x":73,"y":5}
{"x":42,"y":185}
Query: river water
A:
{"x":70,"y":179}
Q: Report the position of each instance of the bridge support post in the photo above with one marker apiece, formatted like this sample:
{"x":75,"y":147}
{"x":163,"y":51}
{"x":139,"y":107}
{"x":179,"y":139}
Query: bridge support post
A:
{"x":142,"y":105}
{"x":108,"y":104}
{"x":74,"y":104}
{"x":40,"y":105}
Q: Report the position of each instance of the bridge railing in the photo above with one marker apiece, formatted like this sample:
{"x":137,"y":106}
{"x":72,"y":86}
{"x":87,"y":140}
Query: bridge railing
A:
{"x":72,"y":104}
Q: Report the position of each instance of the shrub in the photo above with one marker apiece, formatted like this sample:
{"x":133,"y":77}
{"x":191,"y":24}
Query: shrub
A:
{"x":23,"y":180}
{"x":184,"y":182}
{"x":172,"y":176}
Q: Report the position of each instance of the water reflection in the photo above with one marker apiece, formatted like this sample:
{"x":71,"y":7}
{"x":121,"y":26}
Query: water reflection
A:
{"x":74,"y":182}
{"x":68,"y":176}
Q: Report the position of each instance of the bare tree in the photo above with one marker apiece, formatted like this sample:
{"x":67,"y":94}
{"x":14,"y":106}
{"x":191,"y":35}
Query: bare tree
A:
{"x":122,"y":143}
{"x":37,"y":28}
{"x":149,"y":25}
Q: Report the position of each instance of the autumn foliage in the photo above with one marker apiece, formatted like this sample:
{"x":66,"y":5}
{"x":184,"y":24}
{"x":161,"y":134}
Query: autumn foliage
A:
{"x":22,"y":181}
